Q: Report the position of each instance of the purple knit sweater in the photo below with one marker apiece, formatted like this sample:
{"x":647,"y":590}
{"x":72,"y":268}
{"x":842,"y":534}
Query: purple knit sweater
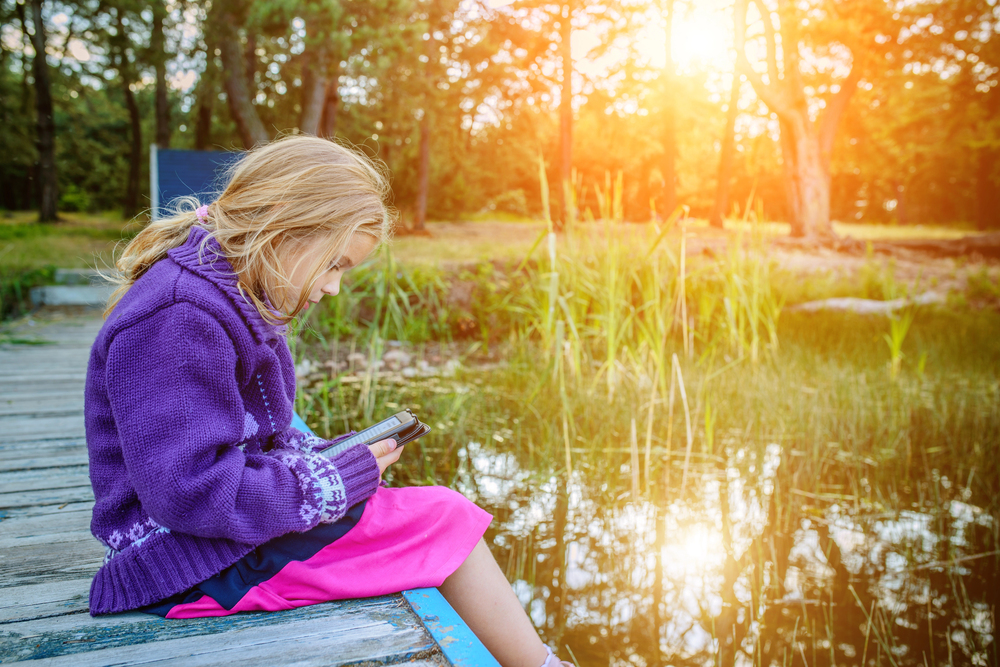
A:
{"x":188,"y":407}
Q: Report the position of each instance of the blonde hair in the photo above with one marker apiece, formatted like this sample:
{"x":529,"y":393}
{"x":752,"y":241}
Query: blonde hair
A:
{"x":284,"y":195}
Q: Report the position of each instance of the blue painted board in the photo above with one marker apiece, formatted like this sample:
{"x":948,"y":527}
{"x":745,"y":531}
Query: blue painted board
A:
{"x":177,"y":173}
{"x":457,"y":641}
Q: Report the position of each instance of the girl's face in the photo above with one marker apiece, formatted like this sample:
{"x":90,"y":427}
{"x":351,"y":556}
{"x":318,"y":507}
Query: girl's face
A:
{"x":299,"y":264}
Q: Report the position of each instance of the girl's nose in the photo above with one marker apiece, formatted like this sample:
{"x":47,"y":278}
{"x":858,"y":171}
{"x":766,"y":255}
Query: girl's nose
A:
{"x":332,"y":288}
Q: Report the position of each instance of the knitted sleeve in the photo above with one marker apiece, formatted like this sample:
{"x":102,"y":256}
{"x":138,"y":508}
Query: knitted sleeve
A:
{"x":293,"y":438}
{"x":172,"y":385}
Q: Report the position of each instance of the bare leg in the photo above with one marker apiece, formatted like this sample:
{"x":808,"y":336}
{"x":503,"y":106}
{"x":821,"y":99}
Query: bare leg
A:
{"x":481,"y":595}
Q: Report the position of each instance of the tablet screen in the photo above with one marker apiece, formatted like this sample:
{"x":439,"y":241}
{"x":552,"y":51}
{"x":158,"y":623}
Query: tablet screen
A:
{"x":370,"y":433}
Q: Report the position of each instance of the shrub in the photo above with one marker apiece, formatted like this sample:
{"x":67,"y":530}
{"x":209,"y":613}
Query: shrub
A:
{"x":512,"y":201}
{"x":72,"y":198}
{"x":15,"y":289}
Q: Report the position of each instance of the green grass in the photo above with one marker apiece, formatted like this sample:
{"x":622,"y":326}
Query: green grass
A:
{"x":30,"y":252}
{"x":78,"y":241}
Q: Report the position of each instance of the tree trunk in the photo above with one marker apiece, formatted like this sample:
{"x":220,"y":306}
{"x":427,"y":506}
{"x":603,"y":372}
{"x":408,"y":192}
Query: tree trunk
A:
{"x":25,"y":66}
{"x":812,"y":180}
{"x":206,"y":101}
{"x":566,"y":109}
{"x":987,"y":174}
{"x":241,"y":108}
{"x":331,"y":104}
{"x":251,"y":60}
{"x":987,"y":192}
{"x":158,"y":47}
{"x":314,"y":85}
{"x":130,"y":205}
{"x":721,"y":206}
{"x":791,"y":176}
{"x":902,"y":206}
{"x":424,"y":174}
{"x":805,"y":148}
{"x":669,"y":121}
{"x":47,"y":177}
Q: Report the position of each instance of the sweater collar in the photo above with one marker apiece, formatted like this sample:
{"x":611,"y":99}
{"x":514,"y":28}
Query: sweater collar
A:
{"x":213,"y":266}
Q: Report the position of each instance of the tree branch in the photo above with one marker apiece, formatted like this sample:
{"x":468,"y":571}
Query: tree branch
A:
{"x":768,"y":93}
{"x":790,"y":44}
{"x":834,"y":111}
{"x":772,"y":54}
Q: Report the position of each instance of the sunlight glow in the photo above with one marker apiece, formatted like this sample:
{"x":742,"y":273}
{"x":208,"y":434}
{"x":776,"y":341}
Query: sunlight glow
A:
{"x":702,"y":39}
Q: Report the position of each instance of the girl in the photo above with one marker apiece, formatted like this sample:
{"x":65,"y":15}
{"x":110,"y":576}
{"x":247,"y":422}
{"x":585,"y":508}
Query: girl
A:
{"x":208,"y":501}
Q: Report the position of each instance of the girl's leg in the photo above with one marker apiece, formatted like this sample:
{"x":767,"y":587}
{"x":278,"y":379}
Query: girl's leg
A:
{"x":481,"y":595}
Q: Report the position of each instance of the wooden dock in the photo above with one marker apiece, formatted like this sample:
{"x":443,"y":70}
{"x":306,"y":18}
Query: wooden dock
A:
{"x":48,"y":556}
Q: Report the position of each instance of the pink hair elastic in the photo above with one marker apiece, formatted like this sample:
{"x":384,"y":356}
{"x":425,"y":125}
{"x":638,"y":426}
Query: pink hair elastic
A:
{"x":202,"y":213}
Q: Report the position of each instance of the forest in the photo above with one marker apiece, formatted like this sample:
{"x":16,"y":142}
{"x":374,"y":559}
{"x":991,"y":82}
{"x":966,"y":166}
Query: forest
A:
{"x":886,"y":113}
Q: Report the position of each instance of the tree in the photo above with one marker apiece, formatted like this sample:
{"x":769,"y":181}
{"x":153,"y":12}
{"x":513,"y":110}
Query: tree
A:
{"x":120,"y":44}
{"x":227,"y":16}
{"x":964,"y":34}
{"x":849,"y":30}
{"x":206,"y":94}
{"x":566,"y":108}
{"x":158,"y":55}
{"x":669,"y":202}
{"x":725,"y":175}
{"x":46,"y":131}
{"x":538,"y":35}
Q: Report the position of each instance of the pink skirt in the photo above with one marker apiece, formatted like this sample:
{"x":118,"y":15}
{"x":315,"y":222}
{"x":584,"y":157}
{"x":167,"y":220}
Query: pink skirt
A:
{"x":412,"y":537}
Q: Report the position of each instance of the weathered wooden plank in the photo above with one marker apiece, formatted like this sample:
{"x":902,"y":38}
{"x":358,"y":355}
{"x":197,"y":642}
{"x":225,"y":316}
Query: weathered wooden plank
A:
{"x":22,"y":370}
{"x":35,"y":405}
{"x":78,"y":457}
{"x":19,"y":429}
{"x":46,"y":497}
{"x":46,"y":350}
{"x":16,"y":391}
{"x":45,"y":510}
{"x":68,"y":361}
{"x":376,"y":630}
{"x":21,"y":379}
{"x":46,"y":478}
{"x":40,"y":409}
{"x":26,"y":389}
{"x":14,"y":526}
{"x":57,"y":341}
{"x":68,"y":441}
{"x":39,"y":563}
{"x":76,"y":328}
{"x":19,"y":455}
{"x":54,"y":540}
{"x":29,"y":425}
{"x":19,"y":604}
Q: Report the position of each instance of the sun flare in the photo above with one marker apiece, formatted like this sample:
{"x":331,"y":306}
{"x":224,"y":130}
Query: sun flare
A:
{"x":702,"y":37}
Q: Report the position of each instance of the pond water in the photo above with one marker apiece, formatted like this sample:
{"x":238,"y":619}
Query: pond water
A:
{"x":680,"y":581}
{"x":750,"y":557}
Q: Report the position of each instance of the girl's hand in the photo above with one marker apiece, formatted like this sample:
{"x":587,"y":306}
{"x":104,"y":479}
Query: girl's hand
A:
{"x":386,"y":453}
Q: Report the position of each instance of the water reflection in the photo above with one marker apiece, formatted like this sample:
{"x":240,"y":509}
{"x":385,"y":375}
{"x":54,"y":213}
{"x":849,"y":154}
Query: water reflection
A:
{"x":679,"y":581}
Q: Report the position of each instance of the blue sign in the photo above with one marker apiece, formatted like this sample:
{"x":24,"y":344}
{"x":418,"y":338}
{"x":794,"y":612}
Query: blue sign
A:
{"x":177,"y":173}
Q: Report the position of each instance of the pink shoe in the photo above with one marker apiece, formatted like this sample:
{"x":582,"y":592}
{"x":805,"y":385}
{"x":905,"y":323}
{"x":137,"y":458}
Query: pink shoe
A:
{"x":553,"y":661}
